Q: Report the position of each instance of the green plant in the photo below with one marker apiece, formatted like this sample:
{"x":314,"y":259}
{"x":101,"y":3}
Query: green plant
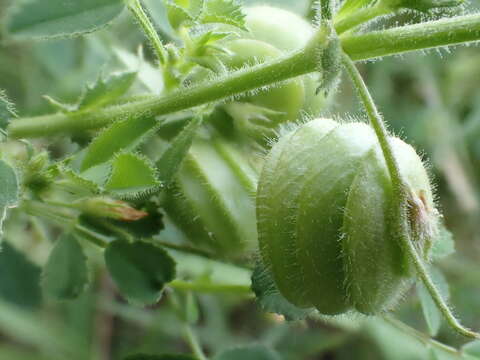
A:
{"x":166,"y":159}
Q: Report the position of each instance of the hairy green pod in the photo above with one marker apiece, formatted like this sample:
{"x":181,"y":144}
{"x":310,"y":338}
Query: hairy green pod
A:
{"x":267,"y":23}
{"x":269,"y":38}
{"x":286,"y":99}
{"x":324,"y":218}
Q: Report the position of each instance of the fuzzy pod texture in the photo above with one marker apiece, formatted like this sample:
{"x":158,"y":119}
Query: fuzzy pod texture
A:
{"x":268,"y":38}
{"x":323,"y":218}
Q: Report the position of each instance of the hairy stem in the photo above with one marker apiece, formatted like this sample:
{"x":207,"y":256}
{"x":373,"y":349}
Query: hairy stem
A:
{"x":425,"y":35}
{"x":359,"y":17}
{"x":358,"y":47}
{"x":137,"y":10}
{"x":399,"y":203}
{"x":425,"y":339}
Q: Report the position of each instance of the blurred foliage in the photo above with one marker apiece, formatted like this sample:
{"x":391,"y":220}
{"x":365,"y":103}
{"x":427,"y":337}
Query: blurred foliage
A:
{"x":431,"y":99}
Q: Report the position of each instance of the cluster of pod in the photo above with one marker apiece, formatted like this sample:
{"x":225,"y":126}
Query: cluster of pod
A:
{"x":322,"y":216}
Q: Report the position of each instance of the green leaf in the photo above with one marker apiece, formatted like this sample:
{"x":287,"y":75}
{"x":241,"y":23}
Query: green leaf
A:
{"x":255,"y":352}
{"x":432,"y":315}
{"x":98,"y":174}
{"x":8,"y":191}
{"x":148,"y":75}
{"x":172,"y":158}
{"x":19,"y":278}
{"x":65,"y":274}
{"x":223,"y":12}
{"x":443,"y":245}
{"x":121,"y":136}
{"x":7,"y":110}
{"x":106,"y":91}
{"x":57,"y":18}
{"x":132,"y":176}
{"x":177,"y":15}
{"x":270,"y":298}
{"x":472,"y":348}
{"x":350,"y":6}
{"x":80,"y":184}
{"x":160,"y":357}
{"x":139,"y":269}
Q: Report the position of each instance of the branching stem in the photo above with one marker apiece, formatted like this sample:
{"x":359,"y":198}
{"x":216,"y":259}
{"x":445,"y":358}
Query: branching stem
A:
{"x":359,"y":47}
{"x":137,"y":10}
{"x":399,"y":204}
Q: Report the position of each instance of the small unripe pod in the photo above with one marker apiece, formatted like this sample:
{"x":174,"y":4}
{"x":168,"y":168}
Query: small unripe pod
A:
{"x":324,"y":218}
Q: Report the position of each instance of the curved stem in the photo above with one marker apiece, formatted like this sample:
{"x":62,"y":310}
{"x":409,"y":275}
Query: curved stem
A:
{"x":193,"y":342}
{"x":359,"y":17}
{"x":399,"y":204}
{"x":183,"y":248}
{"x":425,"y":339}
{"x":427,"y":35}
{"x":358,"y":47}
{"x":137,"y":10}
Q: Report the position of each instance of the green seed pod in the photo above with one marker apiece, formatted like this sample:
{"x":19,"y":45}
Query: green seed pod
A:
{"x":324,"y":218}
{"x":282,"y":103}
{"x":267,"y":24}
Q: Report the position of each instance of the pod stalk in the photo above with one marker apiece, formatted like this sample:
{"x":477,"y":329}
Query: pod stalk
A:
{"x":400,"y":198}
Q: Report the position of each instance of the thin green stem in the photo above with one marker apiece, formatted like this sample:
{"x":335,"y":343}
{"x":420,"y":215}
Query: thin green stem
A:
{"x":425,"y":339}
{"x":399,"y":204}
{"x":185,"y":98}
{"x":359,"y":17}
{"x":358,"y":47}
{"x":193,"y":342}
{"x":206,"y":287}
{"x":379,"y":128}
{"x":449,"y":31}
{"x":435,"y":294}
{"x":137,"y":10}
{"x":183,"y":248}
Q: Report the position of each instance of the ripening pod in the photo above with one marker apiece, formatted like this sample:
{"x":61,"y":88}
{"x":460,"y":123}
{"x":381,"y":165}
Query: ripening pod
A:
{"x":259,"y":114}
{"x":324,"y":218}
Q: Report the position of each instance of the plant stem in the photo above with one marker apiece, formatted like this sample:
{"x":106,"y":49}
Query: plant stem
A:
{"x":399,"y":203}
{"x":137,"y":10}
{"x":193,"y":342}
{"x":420,"y":336}
{"x":206,"y":287}
{"x":425,"y":35}
{"x":358,"y":47}
{"x":359,"y":17}
{"x":235,"y":83}
{"x":378,"y":126}
{"x":183,"y":248}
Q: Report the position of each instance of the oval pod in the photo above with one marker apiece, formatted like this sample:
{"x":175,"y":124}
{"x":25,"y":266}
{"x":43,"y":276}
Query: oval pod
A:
{"x":324,"y":218}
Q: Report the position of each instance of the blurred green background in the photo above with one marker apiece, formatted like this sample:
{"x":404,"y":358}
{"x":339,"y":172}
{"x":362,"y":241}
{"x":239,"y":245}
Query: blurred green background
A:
{"x":430,"y":99}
